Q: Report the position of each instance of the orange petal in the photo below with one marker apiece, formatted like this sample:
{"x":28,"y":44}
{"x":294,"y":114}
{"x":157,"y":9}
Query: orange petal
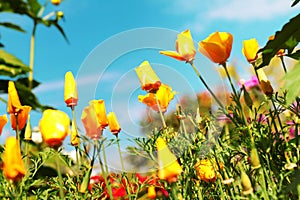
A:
{"x":3,"y":121}
{"x":173,"y":54}
{"x":113,"y":123}
{"x":22,"y":118}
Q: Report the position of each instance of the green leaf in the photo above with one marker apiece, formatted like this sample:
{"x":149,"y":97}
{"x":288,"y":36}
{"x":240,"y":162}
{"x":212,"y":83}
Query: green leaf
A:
{"x":292,"y":80}
{"x":50,"y":23}
{"x":12,"y":26}
{"x":11,"y":66}
{"x":287,"y":38}
{"x":34,"y":7}
{"x":295,"y":2}
{"x":295,"y":55}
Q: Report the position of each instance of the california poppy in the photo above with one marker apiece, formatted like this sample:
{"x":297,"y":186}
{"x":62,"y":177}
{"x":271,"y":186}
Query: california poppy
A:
{"x":185,"y":49}
{"x":113,"y":123}
{"x":217,"y":47}
{"x":70,"y":93}
{"x":168,"y":166}
{"x":54,"y":127}
{"x":13,"y":166}
{"x":148,"y":78}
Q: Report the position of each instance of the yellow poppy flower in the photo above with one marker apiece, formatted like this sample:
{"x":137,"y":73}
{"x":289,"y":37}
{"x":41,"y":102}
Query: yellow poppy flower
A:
{"x":217,"y":47}
{"x":206,"y":170}
{"x":113,"y":123}
{"x":250,"y":48}
{"x":3,"y":121}
{"x":54,"y":127}
{"x":99,"y":108}
{"x":13,"y":104}
{"x":90,"y":122}
{"x":70,"y":93}
{"x":168,"y":166}
{"x":22,"y":118}
{"x":185,"y":49}
{"x":148,"y":78}
{"x":56,"y":2}
{"x":164,"y":96}
{"x":13,"y":166}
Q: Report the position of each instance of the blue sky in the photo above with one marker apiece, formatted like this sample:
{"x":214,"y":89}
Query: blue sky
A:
{"x":109,"y":38}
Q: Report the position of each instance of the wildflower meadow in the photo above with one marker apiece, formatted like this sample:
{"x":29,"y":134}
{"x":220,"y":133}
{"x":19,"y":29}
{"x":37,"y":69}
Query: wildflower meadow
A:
{"x":239,"y":143}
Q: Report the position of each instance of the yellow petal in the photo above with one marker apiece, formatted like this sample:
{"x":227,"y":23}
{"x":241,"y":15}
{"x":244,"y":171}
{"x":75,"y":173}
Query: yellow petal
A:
{"x":185,"y":45}
{"x":168,"y":166}
{"x":90,"y":122}
{"x":54,"y":127}
{"x":99,"y":108}
{"x":173,"y":54}
{"x":13,"y":103}
{"x":3,"y":121}
{"x":13,"y":166}
{"x":113,"y":123}
{"x":148,"y":78}
{"x":70,"y":93}
{"x":250,"y":48}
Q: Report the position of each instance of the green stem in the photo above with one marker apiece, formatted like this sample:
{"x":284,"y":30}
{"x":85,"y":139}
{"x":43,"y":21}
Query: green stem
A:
{"x":204,"y":83}
{"x":3,"y":100}
{"x":60,"y":180}
{"x":160,"y":112}
{"x":174,"y":191}
{"x":106,"y":168}
{"x":120,"y":154}
{"x":74,"y":123}
{"x":229,"y":78}
{"x":276,"y":113}
{"x":31,"y":56}
{"x":283,"y":64}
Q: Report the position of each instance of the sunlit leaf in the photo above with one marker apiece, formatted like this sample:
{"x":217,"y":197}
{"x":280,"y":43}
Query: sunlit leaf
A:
{"x":287,"y":38}
{"x":292,"y":80}
{"x":34,"y":6}
{"x":11,"y":66}
{"x":12,"y":26}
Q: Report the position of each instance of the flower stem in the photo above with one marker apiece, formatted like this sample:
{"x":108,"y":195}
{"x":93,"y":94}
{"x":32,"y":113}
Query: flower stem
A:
{"x":283,"y":64}
{"x":60,"y":180}
{"x":229,"y":78}
{"x":160,"y":112}
{"x":31,"y":56}
{"x":204,"y":83}
{"x":106,"y":168}
{"x":120,"y":154}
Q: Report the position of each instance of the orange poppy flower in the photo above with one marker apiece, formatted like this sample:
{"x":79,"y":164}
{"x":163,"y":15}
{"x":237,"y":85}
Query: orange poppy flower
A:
{"x":217,"y":47}
{"x":13,"y":166}
{"x":3,"y":121}
{"x":168,"y":166}
{"x":54,"y":127}
{"x":250,"y":49}
{"x":185,"y":49}
{"x":70,"y":94}
{"x":206,"y":170}
{"x":22,"y":118}
{"x":99,"y":108}
{"x":148,"y":79}
{"x":90,"y":122}
{"x":164,"y":96}
{"x":13,"y":104}
{"x":113,"y":123}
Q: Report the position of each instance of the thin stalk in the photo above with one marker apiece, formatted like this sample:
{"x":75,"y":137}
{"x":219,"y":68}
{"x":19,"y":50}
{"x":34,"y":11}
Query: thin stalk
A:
{"x":276,"y":113}
{"x":174,"y":191}
{"x":283,"y":64}
{"x":120,"y":154}
{"x":106,"y":168}
{"x":160,"y":112}
{"x":60,"y":180}
{"x":17,"y":129}
{"x":31,"y":56}
{"x":229,"y":78}
{"x":74,"y":123}
{"x":3,"y":100}
{"x":204,"y":83}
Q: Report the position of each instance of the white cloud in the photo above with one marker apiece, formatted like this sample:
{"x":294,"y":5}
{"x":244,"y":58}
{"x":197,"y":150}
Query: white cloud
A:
{"x":81,"y":81}
{"x":250,"y":10}
{"x":203,"y":12}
